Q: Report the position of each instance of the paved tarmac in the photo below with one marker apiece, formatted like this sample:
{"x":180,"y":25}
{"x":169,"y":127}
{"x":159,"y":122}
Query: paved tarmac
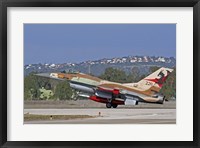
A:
{"x":108,"y":116}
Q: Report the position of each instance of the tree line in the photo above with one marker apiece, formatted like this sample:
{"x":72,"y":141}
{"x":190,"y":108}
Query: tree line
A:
{"x":40,"y":88}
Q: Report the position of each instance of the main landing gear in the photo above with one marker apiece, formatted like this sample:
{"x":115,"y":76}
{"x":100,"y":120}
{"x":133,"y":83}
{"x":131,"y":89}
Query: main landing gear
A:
{"x":109,"y":105}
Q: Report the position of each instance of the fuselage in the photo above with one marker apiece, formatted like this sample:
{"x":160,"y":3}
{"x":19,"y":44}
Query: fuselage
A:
{"x":103,"y":91}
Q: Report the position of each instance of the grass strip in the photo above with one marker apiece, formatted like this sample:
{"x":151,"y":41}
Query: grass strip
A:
{"x":35,"y":117}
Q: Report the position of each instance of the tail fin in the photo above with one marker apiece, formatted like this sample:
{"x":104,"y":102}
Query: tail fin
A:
{"x":156,"y":79}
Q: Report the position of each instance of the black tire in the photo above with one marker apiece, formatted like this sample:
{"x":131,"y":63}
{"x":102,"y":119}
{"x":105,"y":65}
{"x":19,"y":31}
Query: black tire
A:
{"x":114,"y":105}
{"x":108,"y":105}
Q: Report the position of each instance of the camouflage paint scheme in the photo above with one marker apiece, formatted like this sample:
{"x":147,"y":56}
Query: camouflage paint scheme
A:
{"x":112,"y":93}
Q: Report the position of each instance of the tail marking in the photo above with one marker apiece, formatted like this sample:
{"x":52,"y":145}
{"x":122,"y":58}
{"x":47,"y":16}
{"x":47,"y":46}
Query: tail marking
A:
{"x":161,"y":78}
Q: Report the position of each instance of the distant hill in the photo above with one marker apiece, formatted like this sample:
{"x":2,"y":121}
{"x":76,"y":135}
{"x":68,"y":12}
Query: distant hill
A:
{"x":97,"y":67}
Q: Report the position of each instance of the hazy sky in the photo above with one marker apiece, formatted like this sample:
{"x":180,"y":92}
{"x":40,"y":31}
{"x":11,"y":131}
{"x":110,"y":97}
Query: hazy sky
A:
{"x":61,"y":43}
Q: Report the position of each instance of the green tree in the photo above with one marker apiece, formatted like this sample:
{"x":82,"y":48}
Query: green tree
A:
{"x":45,"y":94}
{"x":153,"y":69}
{"x":134,"y":75}
{"x":32,"y":84}
{"x":63,"y":91}
{"x":31,"y":87}
{"x":115,"y":75}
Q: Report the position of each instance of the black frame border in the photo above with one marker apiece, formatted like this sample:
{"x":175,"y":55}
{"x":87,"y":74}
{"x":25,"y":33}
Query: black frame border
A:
{"x":99,"y":3}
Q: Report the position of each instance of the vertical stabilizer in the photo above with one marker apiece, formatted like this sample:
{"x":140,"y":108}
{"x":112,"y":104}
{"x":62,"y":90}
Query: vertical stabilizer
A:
{"x":155,"y":79}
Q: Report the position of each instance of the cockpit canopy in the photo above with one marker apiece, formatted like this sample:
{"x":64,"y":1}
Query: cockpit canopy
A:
{"x":70,"y":71}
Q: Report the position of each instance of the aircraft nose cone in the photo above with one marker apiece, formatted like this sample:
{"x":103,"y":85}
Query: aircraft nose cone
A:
{"x":43,"y":75}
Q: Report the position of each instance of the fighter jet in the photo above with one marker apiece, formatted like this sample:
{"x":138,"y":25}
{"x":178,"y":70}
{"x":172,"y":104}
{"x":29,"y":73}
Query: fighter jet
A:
{"x":112,"y":93}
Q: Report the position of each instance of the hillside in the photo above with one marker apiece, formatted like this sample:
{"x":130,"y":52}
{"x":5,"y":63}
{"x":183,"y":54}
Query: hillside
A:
{"x":97,"y":67}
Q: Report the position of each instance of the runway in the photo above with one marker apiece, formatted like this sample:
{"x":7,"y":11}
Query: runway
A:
{"x":108,"y":116}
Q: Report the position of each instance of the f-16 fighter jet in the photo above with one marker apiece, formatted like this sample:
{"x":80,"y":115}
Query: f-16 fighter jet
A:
{"x":114,"y":94}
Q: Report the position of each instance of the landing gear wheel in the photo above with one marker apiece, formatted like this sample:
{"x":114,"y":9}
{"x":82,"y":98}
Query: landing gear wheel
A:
{"x":108,"y":105}
{"x":114,"y":105}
